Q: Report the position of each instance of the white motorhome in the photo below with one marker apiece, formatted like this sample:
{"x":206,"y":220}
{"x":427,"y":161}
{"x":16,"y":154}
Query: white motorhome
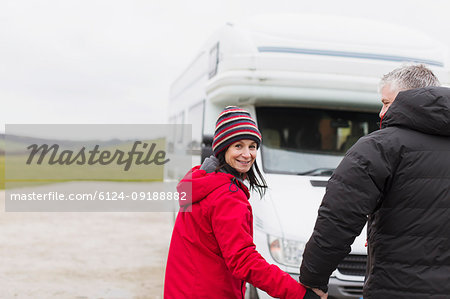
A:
{"x":311,"y":83}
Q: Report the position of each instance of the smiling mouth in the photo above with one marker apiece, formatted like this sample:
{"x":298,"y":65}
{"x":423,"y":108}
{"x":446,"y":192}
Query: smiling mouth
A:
{"x":243,"y":162}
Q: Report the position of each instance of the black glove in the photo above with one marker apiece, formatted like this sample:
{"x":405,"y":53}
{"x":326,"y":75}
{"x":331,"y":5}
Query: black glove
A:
{"x":310,"y":294}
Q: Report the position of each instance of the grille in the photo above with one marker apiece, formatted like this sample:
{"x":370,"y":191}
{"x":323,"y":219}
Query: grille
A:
{"x":353,"y":291}
{"x":353,"y":264}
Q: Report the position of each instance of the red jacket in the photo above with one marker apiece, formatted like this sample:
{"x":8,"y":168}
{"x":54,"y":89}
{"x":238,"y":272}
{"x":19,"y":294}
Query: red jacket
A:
{"x":212,"y":253}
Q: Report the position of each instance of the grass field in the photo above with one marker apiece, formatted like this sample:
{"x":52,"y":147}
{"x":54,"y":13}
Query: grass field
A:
{"x":2,"y":172}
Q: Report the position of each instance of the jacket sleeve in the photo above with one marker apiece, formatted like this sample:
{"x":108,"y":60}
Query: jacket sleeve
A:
{"x":353,"y":192}
{"x":231,"y":223}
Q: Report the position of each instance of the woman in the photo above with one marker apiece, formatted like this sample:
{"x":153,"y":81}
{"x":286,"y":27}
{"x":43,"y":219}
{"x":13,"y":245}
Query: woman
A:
{"x":212,"y":253}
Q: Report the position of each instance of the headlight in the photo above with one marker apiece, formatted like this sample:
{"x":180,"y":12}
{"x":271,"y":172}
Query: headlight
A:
{"x":286,"y":252}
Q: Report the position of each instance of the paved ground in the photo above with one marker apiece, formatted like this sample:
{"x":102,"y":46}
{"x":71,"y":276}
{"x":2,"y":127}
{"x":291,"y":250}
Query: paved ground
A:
{"x":83,"y":255}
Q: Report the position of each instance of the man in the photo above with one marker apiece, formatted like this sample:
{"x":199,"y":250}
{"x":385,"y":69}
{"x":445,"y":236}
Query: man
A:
{"x":397,"y":179}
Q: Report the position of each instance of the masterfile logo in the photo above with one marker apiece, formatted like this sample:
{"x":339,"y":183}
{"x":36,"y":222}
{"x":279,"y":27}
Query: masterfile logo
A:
{"x":95,"y":156}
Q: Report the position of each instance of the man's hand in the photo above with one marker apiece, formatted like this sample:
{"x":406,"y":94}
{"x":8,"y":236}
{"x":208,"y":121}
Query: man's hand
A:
{"x":313,"y":293}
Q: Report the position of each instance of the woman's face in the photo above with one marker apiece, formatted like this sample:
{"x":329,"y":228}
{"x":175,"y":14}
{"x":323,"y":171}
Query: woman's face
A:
{"x":241,"y":155}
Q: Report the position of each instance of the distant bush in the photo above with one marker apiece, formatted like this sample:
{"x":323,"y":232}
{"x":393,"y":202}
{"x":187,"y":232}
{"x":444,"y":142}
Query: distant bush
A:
{"x":2,"y":170}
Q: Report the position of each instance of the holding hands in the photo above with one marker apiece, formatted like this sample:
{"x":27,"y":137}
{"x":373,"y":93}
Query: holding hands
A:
{"x":315,"y":294}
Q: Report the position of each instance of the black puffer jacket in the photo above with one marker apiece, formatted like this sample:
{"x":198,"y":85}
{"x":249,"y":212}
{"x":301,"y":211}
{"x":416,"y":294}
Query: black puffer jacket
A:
{"x":397,"y":178}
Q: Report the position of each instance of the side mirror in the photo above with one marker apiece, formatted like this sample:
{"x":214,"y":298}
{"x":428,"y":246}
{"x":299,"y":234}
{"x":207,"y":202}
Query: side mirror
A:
{"x":206,"y":147}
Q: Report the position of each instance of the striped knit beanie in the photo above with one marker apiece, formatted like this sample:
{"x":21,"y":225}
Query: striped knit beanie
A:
{"x":234,"y":124}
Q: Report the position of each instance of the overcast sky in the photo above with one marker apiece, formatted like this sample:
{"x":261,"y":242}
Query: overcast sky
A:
{"x":107,"y":61}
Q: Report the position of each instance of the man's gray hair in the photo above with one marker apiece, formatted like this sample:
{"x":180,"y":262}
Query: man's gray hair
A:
{"x":409,"y":77}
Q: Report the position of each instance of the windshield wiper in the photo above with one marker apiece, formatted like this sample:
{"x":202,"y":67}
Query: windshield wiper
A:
{"x":318,"y":172}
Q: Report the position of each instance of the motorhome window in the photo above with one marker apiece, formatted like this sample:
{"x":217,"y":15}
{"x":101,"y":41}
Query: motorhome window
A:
{"x":171,"y":136}
{"x":195,"y":117}
{"x":213,"y":60}
{"x":309,"y":141}
{"x":179,"y":120}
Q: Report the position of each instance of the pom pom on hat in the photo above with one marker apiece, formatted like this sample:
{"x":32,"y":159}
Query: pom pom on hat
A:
{"x":234,"y":124}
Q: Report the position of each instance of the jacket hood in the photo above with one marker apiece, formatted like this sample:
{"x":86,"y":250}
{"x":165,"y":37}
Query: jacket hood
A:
{"x":422,"y":109}
{"x":200,"y":184}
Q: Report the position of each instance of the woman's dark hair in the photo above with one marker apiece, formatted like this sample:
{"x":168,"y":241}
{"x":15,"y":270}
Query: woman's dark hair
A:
{"x":257,"y":182}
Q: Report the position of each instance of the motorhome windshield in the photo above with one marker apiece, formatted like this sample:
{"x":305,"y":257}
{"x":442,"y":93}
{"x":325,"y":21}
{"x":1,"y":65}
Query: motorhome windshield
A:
{"x":307,"y":141}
